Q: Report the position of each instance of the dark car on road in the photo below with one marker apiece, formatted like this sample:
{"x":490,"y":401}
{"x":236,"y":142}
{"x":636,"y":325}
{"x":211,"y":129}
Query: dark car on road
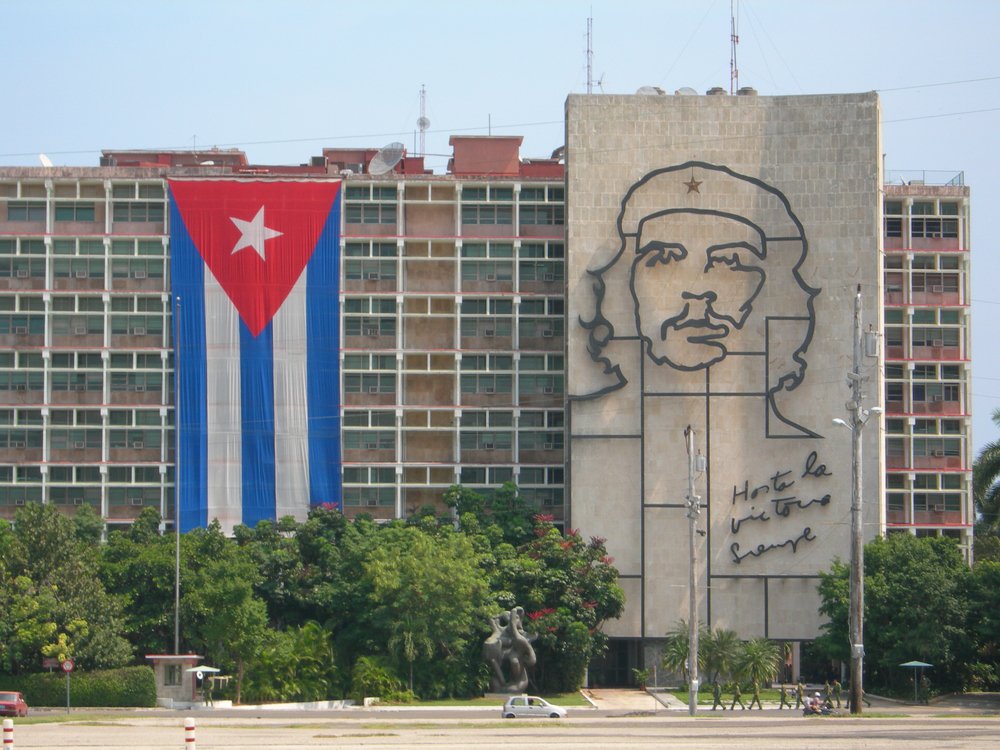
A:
{"x":12,"y":703}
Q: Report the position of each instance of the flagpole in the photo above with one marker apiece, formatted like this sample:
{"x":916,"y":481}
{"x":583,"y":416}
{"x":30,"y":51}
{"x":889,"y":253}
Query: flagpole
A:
{"x":177,"y":503}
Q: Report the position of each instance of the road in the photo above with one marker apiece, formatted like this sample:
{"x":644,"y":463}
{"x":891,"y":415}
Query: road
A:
{"x":484,"y":730}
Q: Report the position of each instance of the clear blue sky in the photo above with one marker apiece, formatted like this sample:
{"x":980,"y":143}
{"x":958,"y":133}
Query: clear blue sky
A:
{"x":282,"y":79}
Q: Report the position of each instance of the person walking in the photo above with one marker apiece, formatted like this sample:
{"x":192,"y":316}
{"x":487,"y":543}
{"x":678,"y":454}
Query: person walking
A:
{"x":837,"y":691}
{"x":784,"y":697}
{"x":800,"y":695}
{"x":717,"y":696}
{"x":826,"y":693}
{"x":737,"y":697}
{"x":756,"y":696}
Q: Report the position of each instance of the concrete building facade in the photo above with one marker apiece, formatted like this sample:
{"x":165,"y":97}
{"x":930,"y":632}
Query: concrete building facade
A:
{"x":716,"y":245}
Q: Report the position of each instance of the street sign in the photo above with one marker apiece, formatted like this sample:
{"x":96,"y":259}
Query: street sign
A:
{"x":67,"y":665}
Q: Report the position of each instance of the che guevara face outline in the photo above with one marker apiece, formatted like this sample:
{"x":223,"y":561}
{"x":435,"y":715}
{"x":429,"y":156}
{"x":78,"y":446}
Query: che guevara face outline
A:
{"x":693,"y":282}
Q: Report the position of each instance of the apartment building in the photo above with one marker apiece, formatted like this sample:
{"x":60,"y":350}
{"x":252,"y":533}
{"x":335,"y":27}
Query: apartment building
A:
{"x":452,"y":328}
{"x":928,"y":398}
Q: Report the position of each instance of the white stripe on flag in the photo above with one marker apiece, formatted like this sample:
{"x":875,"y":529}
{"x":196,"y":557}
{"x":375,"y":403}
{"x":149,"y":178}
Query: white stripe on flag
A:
{"x":291,"y":405}
{"x":222,"y":366}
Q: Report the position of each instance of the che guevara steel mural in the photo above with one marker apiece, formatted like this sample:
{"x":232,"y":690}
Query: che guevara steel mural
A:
{"x":707,"y":280}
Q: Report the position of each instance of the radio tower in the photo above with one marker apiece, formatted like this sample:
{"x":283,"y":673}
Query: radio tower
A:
{"x":422,"y":122}
{"x":590,"y":55}
{"x":734,"y":39}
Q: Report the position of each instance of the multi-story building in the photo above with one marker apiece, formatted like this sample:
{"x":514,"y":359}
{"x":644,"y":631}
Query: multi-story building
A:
{"x":452,"y":328}
{"x":928,"y":400}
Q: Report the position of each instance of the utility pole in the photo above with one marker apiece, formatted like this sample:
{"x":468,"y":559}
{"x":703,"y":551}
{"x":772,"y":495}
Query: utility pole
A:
{"x":177,"y":499}
{"x":858,"y":419}
{"x":693,"y":502}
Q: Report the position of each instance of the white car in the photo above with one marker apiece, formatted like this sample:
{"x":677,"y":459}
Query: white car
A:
{"x":526,"y":706}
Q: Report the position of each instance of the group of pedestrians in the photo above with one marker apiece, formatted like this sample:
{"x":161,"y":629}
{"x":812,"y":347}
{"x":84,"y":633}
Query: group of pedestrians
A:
{"x":831,"y":695}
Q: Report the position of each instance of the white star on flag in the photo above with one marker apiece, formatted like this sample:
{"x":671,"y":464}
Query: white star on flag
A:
{"x":254,"y":233}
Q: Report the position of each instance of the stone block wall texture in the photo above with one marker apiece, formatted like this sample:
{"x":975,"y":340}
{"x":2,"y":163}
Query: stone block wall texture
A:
{"x":715,"y":246}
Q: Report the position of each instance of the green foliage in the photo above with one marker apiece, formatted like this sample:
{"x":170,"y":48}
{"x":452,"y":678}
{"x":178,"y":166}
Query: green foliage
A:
{"x":759,"y":661}
{"x":133,"y":687}
{"x":916,"y":607}
{"x":51,"y":604}
{"x":719,"y":651}
{"x":986,"y":485}
{"x":372,"y":678}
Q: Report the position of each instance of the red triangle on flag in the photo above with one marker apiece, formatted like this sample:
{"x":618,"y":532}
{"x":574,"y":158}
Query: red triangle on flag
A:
{"x":255,"y":236}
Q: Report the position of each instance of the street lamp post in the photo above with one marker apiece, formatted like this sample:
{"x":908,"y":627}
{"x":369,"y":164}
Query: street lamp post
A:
{"x":693,"y":501}
{"x":858,"y":419}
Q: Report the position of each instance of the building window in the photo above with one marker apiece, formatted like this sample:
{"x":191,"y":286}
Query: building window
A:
{"x":74,"y":212}
{"x":26,"y":211}
{"x":137,"y":211}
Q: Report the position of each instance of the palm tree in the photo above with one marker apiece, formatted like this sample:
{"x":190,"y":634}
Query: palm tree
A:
{"x":676,"y":650}
{"x":986,"y":482}
{"x":760,"y":660}
{"x":720,"y":650}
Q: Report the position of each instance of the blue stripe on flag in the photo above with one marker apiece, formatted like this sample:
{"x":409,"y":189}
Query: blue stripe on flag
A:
{"x":190,"y":398}
{"x":257,"y":416}
{"x":323,"y":353}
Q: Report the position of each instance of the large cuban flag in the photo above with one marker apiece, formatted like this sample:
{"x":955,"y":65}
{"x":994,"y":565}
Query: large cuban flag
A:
{"x":255,"y":282}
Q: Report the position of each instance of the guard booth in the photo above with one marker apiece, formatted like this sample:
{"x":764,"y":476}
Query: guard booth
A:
{"x":176,"y":681}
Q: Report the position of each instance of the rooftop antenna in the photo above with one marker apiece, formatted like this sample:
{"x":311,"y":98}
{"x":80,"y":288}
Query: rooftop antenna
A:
{"x":590,"y":54}
{"x":387,"y":157}
{"x":734,"y":39}
{"x":422,"y":122}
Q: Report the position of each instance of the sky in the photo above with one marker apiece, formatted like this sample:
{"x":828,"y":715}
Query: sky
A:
{"x":283,"y":79}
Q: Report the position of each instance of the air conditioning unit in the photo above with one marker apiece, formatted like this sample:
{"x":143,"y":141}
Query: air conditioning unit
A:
{"x":79,"y":387}
{"x":22,"y":273}
{"x":372,"y":276}
{"x":547,"y":333}
{"x":373,"y":389}
{"x":20,"y":330}
{"x":549,"y":446}
{"x":371,"y":331}
{"x":937,"y":342}
{"x":17,"y":444}
{"x":489,"y":389}
{"x":80,"y":330}
{"x":81,"y":274}
{"x":139,"y":388}
{"x":549,"y":277}
{"x":491,"y":277}
{"x":135,"y":501}
{"x":939,"y":509}
{"x":486,"y":446}
{"x":936,"y":288}
{"x":140,"y":331}
{"x":371,"y":446}
{"x":80,"y":444}
{"x":20,"y":387}
{"x":549,"y":390}
{"x":938,"y":454}
{"x":489,"y":333}
{"x":138,"y":274}
{"x":138,"y":444}
{"x":77,"y":501}
{"x":19,"y":501}
{"x":937,"y":397}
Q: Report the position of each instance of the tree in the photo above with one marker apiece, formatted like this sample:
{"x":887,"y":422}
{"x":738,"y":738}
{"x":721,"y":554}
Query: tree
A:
{"x":720,"y":649}
{"x":986,"y":484}
{"x":52,"y":604}
{"x":759,"y":661}
{"x":916,"y":607}
{"x":568,"y":588}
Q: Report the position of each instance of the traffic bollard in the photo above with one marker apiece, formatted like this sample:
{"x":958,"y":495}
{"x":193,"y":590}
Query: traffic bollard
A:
{"x":8,"y":734}
{"x":189,"y":740}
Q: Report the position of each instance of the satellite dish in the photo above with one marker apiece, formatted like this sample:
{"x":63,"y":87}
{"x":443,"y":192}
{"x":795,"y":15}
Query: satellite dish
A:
{"x":423,"y":123}
{"x":650,"y":91}
{"x":386,"y":158}
{"x":46,"y":161}
{"x":686,"y":91}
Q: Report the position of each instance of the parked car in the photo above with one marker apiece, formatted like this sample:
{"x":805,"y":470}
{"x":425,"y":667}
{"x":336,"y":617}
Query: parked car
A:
{"x":12,"y":704}
{"x":521,"y":706}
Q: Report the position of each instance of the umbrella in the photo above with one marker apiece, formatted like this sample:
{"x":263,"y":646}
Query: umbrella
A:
{"x":203,"y":670}
{"x":915,"y":665}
